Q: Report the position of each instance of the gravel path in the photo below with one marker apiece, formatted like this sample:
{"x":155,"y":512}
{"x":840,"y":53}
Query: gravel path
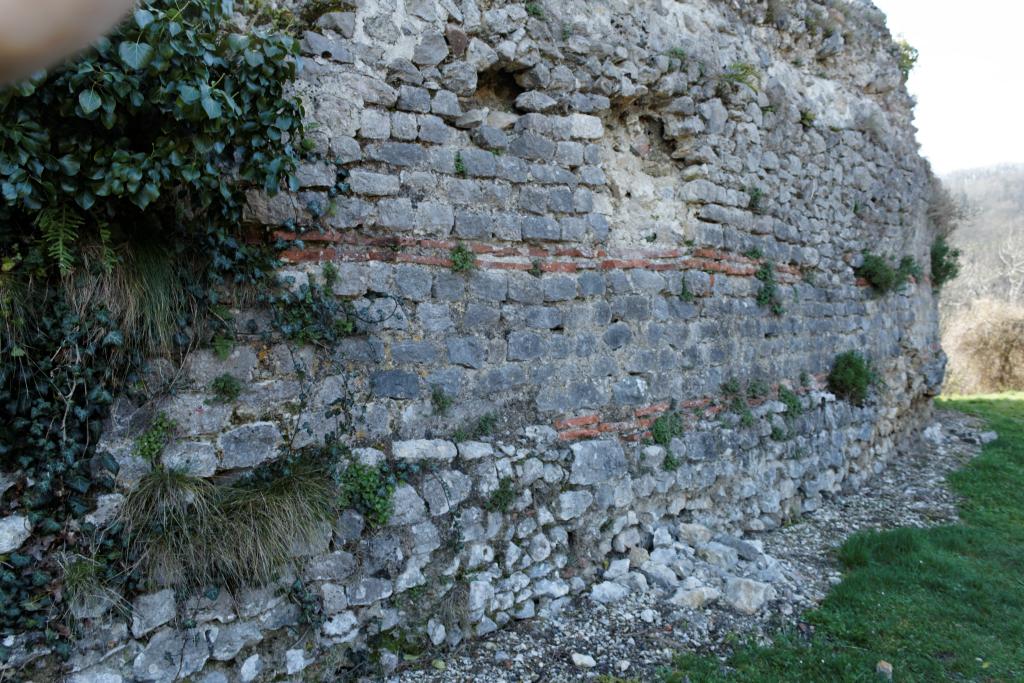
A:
{"x":635,"y":636}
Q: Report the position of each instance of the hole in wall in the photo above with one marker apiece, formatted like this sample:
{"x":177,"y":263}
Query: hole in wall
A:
{"x":497,"y":89}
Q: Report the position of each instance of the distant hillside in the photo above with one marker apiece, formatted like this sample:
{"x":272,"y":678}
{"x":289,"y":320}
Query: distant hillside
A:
{"x":982,"y":311}
{"x":991,"y":236}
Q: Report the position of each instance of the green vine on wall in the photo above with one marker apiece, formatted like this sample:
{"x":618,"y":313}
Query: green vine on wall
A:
{"x":122,"y":177}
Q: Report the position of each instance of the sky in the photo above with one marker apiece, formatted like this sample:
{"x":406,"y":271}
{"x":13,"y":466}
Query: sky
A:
{"x":968,"y":81}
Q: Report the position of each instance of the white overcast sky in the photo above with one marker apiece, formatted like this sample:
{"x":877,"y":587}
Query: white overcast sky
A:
{"x":969,"y":80}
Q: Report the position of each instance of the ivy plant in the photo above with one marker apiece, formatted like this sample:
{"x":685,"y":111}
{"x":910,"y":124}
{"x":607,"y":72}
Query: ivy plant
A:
{"x":152,"y":136}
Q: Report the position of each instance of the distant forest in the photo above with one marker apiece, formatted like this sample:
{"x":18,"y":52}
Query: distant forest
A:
{"x":982,"y":310}
{"x":990,"y":237}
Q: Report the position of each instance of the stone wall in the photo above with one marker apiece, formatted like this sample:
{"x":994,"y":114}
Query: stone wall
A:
{"x":621,"y":171}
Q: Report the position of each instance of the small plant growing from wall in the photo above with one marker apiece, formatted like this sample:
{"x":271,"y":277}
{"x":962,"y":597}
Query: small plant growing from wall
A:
{"x":666,"y":427}
{"x":768,"y":296}
{"x":883,"y":277}
{"x":945,"y":262}
{"x":852,"y":377}
{"x":503,"y":497}
{"x":535,"y":10}
{"x":313,"y":313}
{"x":481,"y":427}
{"x":368,"y":490}
{"x":685,"y":294}
{"x":152,"y":442}
{"x":757,"y":388}
{"x":463,"y":260}
{"x":807,"y":118}
{"x":756,"y":194}
{"x":441,"y":401}
{"x":225,"y":389}
{"x":460,"y":165}
{"x":791,"y":400}
{"x":745,"y":73}
{"x":733,"y":391}
{"x":222,"y":346}
{"x":908,"y":55}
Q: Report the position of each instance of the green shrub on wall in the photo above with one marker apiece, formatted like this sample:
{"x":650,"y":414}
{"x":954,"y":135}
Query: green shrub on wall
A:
{"x":885,"y":278}
{"x":945,"y":262}
{"x":122,"y":176}
{"x":852,"y":377}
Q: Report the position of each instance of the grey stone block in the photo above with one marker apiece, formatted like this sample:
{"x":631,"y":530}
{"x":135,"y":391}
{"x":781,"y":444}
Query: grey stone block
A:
{"x":414,"y":352}
{"x":543,"y":317}
{"x":413,"y":99}
{"x":479,"y":316}
{"x":531,"y":146}
{"x":525,"y":346}
{"x":395,"y":384}
{"x":374,"y":124}
{"x":559,"y":288}
{"x":414,"y":282}
{"x":401,"y":154}
{"x":460,"y":78}
{"x":431,"y":49}
{"x":617,"y":335}
{"x":433,"y":129}
{"x":434,"y":215}
{"x":597,"y":462}
{"x":468,"y":351}
{"x":446,"y":104}
{"x":404,"y":126}
{"x":541,"y":228}
{"x":533,"y":199}
{"x":395,"y":213}
{"x":490,"y":286}
{"x":525,"y":288}
{"x":373,"y":184}
{"x":472,"y":225}
{"x":449,"y":286}
{"x":478,"y":162}
{"x":249,"y":445}
{"x":489,"y":137}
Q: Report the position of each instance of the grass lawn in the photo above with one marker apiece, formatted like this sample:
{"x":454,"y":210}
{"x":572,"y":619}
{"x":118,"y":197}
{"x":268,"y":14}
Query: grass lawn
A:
{"x":940,"y":604}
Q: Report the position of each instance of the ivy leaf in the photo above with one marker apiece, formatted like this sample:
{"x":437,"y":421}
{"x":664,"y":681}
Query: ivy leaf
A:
{"x":113,"y":338}
{"x":79,"y":484}
{"x":253,"y":58}
{"x":108,"y":463}
{"x":135,"y":55}
{"x":143,"y":18}
{"x":89,"y":101}
{"x":238,"y":41}
{"x":189,"y":93}
{"x":211,"y":107}
{"x":69,"y":164}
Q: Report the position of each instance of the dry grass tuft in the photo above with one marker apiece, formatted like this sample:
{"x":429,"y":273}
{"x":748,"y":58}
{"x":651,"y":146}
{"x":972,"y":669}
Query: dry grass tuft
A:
{"x":144,"y":289}
{"x":185,"y":531}
{"x":86,"y":591}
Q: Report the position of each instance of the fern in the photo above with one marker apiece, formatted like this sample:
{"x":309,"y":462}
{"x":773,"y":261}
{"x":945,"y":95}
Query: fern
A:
{"x":108,"y":256}
{"x":59,"y":227}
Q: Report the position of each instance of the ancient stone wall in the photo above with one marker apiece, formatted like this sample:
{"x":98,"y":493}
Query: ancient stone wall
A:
{"x":629,"y":177}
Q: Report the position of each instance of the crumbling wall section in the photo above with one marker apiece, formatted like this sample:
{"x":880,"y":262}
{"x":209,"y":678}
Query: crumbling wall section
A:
{"x":628,"y":176}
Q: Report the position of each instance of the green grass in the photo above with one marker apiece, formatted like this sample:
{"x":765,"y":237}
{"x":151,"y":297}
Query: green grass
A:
{"x":940,"y":604}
